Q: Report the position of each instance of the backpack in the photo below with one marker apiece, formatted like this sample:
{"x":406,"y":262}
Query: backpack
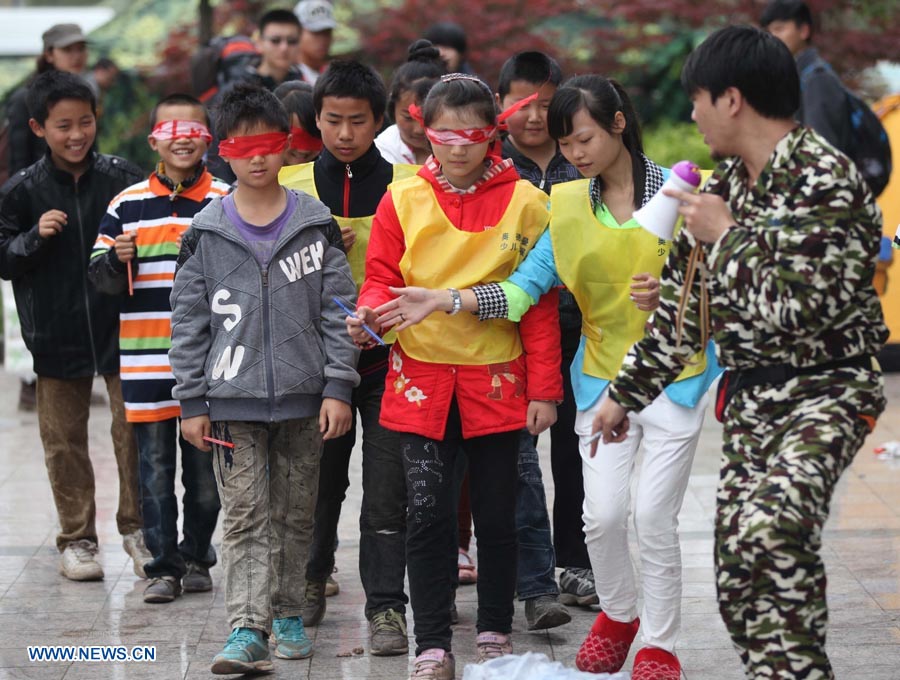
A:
{"x":218,"y":63}
{"x":868,"y":146}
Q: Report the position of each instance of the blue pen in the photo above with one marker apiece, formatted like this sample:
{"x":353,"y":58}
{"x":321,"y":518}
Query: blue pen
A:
{"x":365,"y":327}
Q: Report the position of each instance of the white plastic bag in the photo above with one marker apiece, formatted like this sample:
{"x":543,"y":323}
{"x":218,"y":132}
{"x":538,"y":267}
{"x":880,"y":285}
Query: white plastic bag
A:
{"x":531,"y":666}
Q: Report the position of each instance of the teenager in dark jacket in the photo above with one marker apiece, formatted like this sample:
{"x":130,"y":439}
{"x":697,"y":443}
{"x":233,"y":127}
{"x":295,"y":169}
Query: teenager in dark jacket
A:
{"x":49,"y":217}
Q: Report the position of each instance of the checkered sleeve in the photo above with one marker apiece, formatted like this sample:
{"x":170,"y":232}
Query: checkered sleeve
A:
{"x":492,"y":302}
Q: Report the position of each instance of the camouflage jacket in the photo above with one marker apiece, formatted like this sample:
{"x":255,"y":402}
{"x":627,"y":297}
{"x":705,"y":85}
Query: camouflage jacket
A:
{"x":789,"y":283}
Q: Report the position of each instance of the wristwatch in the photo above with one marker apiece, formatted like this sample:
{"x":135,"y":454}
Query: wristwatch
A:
{"x":456,"y":299}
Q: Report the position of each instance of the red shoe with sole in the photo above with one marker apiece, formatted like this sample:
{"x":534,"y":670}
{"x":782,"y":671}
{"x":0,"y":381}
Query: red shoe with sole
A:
{"x":605,"y":648}
{"x":653,"y":663}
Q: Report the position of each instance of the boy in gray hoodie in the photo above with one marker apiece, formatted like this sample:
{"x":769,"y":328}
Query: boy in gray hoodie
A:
{"x":264,"y":371}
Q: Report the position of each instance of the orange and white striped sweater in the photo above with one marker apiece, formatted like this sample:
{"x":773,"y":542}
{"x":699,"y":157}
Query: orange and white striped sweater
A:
{"x":159,"y":217}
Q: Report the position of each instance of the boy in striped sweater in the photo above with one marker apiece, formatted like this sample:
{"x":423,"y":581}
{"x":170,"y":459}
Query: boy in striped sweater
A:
{"x":136,"y":250}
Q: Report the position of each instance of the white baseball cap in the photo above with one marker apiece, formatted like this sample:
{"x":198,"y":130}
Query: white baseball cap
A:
{"x":315,"y":15}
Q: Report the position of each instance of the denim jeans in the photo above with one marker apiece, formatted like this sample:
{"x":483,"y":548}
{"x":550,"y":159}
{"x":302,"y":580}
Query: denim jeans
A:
{"x":268,"y":485}
{"x":431,"y":527}
{"x":537,"y":560}
{"x":382,"y":521}
{"x":158,"y":456}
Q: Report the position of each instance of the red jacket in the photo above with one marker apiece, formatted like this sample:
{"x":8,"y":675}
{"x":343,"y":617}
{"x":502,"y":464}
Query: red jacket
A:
{"x":491,"y":398}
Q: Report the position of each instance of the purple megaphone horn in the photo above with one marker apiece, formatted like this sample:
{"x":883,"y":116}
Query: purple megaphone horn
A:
{"x":660,"y":214}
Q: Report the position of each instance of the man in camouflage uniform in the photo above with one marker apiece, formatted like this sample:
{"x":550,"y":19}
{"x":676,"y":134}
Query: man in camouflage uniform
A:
{"x":790,"y":234}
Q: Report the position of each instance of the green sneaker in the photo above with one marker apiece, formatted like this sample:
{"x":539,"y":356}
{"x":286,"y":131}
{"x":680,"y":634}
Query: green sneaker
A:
{"x":245,"y":651}
{"x":291,"y":641}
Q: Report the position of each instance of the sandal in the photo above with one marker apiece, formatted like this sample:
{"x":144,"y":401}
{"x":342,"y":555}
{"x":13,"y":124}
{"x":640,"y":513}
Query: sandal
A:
{"x":468,"y":574}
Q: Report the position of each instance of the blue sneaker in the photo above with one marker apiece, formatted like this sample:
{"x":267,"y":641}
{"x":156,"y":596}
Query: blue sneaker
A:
{"x":245,"y":651}
{"x":291,"y":641}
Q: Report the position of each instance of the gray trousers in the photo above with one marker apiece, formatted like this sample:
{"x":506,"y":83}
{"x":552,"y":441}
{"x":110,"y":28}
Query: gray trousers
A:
{"x":267,"y":485}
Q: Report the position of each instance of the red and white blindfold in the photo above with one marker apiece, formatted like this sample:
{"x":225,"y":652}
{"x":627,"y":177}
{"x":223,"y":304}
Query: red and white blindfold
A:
{"x":254,"y":145}
{"x":181,"y":129}
{"x":468,"y":135}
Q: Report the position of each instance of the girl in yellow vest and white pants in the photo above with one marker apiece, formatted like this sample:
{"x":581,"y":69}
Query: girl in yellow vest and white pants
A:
{"x":596,"y":249}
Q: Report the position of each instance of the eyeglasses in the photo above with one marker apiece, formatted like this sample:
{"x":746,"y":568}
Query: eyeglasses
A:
{"x":278,"y":39}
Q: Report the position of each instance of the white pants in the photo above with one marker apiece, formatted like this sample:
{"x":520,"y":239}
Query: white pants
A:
{"x":669,"y":433}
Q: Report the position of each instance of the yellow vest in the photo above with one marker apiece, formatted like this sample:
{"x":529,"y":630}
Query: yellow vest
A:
{"x":438,"y":255}
{"x":596,"y":264}
{"x":301,"y":177}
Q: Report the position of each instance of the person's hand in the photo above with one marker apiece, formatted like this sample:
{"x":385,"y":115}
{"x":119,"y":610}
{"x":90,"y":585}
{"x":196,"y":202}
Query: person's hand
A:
{"x":364,"y":315}
{"x":125,"y":247}
{"x":412,"y":305}
{"x":540,"y":416}
{"x":612,"y":422}
{"x":706,"y":216}
{"x":51,"y":223}
{"x":334,"y":418}
{"x":348,"y":236}
{"x":195,"y":429}
{"x":645,"y":292}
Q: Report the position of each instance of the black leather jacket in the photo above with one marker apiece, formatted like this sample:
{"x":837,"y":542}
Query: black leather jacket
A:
{"x":70,"y":328}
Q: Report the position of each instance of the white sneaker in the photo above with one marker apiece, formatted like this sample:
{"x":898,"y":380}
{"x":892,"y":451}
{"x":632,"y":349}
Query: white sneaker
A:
{"x":78,"y":562}
{"x":134,"y":545}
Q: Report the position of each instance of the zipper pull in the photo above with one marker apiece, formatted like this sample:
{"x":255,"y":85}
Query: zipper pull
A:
{"x":265,"y":275}
{"x":349,"y":172}
{"x":543,"y":181}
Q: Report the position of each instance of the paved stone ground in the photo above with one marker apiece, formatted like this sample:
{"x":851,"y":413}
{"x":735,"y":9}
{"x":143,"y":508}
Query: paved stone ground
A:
{"x":37,"y":606}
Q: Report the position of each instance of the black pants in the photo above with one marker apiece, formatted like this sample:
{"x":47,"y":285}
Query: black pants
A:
{"x":431,"y":527}
{"x":565,"y":462}
{"x":382,"y":519}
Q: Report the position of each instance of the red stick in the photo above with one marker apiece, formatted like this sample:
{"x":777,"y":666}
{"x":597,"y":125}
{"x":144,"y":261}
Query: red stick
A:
{"x":218,"y":441}
{"x":130,"y":283}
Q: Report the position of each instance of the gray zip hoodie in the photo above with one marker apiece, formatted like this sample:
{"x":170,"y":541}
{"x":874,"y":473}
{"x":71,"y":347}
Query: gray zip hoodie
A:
{"x":261,"y":345}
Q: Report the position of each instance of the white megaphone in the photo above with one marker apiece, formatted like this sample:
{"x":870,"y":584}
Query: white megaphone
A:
{"x":660,"y":214}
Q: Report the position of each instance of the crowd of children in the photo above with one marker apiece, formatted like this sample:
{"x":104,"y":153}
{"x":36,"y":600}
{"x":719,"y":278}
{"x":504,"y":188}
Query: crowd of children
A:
{"x":254,"y":325}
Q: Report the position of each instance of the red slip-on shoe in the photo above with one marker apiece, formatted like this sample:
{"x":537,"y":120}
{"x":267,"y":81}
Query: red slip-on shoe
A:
{"x":653,"y":663}
{"x":605,"y":648}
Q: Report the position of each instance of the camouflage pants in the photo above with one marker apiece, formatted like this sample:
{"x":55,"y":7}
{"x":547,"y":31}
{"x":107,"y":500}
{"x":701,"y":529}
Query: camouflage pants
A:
{"x":785,"y":448}
{"x":267,"y":484}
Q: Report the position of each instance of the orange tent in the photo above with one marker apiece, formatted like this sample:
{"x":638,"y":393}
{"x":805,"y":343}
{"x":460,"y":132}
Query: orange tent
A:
{"x":888,"y":279}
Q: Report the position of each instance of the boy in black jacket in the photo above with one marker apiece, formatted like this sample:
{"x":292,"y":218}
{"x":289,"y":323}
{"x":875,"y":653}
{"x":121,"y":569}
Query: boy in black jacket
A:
{"x":350,"y":177}
{"x":49,"y":216}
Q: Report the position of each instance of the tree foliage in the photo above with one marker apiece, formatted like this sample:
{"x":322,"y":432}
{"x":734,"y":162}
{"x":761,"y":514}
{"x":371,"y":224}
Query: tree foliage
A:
{"x":643,"y":43}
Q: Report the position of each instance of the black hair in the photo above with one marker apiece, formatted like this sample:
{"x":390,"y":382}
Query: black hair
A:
{"x":602,"y":98}
{"x":534,"y":68}
{"x":448,"y":34}
{"x":104,"y":63}
{"x":757,"y":63}
{"x":246,"y":106}
{"x":297,"y":98}
{"x":422,"y":63}
{"x":277,"y":16}
{"x":458,"y":91}
{"x":178,"y":99}
{"x":353,"y":79}
{"x":53,"y":86}
{"x":787,"y":10}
